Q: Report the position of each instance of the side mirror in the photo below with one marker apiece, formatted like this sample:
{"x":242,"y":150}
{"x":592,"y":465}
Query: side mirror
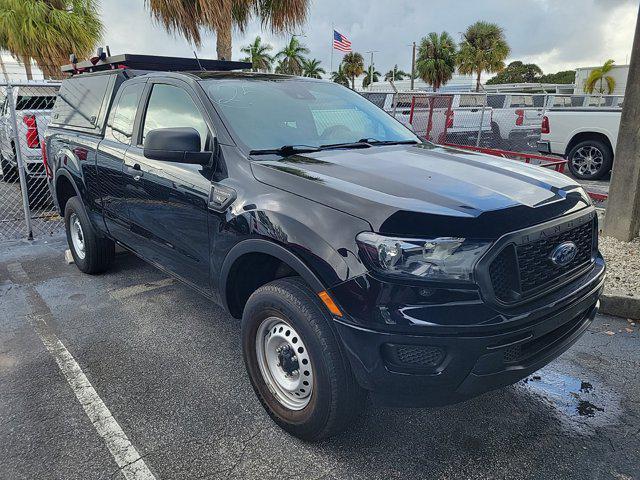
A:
{"x":179,"y":145}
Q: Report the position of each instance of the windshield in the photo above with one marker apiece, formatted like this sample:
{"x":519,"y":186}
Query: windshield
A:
{"x":269,"y":114}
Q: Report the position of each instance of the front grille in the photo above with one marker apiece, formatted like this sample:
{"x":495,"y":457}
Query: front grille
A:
{"x":413,"y":356}
{"x":521,"y":271}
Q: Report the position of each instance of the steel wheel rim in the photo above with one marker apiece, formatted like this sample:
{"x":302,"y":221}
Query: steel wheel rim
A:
{"x":588,"y":160}
{"x":77,"y":236}
{"x":293,"y":390}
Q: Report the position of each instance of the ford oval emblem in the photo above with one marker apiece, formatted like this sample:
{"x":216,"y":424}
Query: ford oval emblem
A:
{"x":563,"y":254}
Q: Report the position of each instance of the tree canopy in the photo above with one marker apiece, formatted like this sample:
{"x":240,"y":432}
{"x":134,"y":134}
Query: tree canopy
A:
{"x":483,"y":49}
{"x":436,"y":59}
{"x":517,"y":72}
{"x":189,"y":17}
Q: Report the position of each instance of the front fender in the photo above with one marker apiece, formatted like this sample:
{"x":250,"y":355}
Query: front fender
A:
{"x":321,"y":247}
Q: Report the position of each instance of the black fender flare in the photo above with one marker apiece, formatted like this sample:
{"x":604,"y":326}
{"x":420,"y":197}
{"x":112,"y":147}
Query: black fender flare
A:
{"x":257,"y":245}
{"x":61,"y":172}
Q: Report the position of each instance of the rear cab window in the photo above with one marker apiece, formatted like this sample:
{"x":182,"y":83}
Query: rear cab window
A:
{"x":473,"y":101}
{"x":83,"y":100}
{"x":35,"y":102}
{"x":521,"y":101}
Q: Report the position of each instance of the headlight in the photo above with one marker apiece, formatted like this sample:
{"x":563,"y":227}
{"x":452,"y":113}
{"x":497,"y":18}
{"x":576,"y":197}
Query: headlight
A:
{"x":443,"y":258}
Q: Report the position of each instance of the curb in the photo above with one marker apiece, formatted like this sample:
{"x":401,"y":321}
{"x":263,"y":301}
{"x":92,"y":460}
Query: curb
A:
{"x":626,"y":307}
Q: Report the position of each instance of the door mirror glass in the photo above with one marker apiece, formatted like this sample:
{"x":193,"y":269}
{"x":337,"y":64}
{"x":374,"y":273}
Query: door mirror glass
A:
{"x":178,"y":144}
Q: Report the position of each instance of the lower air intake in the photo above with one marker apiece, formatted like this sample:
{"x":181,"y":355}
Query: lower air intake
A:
{"x":414,"y":356}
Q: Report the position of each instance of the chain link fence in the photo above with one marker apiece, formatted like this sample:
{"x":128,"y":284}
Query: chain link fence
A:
{"x":26,"y":207}
{"x":502,"y":121}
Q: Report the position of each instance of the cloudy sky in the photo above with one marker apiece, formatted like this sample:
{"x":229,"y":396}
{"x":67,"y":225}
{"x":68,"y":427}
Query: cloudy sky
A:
{"x":555,"y":34}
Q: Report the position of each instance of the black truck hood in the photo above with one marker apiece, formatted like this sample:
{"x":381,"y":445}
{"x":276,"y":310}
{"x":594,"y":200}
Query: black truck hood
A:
{"x":412,"y":188}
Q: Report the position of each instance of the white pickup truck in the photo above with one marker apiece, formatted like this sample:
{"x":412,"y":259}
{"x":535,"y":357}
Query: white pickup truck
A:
{"x":586,"y":137}
{"x":33,"y":104}
{"x":516,"y":120}
{"x":448,"y":118}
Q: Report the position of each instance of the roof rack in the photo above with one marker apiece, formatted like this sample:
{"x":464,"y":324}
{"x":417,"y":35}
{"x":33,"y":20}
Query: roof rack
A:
{"x":149,"y":62}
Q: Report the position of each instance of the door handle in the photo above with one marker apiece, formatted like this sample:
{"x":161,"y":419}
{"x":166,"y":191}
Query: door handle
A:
{"x":135,"y":171}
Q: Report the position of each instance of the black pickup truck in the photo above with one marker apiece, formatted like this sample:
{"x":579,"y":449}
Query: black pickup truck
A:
{"x":360,"y":259}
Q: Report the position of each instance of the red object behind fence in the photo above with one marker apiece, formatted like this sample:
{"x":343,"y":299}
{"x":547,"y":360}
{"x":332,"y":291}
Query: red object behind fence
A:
{"x":557,"y":165}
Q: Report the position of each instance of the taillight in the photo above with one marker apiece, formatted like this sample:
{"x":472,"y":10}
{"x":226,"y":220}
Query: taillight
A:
{"x":450,"y":119}
{"x":32,"y":131}
{"x":520,"y":117}
{"x":545,"y":125}
{"x":43,"y":147}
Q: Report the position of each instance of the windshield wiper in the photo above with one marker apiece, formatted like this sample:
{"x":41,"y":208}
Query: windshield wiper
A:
{"x":373,"y":141}
{"x":357,"y":144}
{"x":285,"y":150}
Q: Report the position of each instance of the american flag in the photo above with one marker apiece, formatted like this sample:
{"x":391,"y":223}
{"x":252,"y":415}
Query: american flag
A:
{"x":340,"y":42}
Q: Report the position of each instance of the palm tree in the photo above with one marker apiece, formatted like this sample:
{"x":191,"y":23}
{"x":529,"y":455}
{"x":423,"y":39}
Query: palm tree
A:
{"x":281,"y":67}
{"x":189,"y":17}
{"x":483,"y":48}
{"x":436,"y":59}
{"x":371,"y":76}
{"x":395,"y":74}
{"x":311,"y":68}
{"x":598,"y":76}
{"x":353,"y":65}
{"x":291,"y":57}
{"x":47,"y":31}
{"x":340,"y":76}
{"x":258,"y":55}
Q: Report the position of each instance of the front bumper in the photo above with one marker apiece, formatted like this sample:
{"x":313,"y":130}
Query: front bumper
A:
{"x":455,"y":363}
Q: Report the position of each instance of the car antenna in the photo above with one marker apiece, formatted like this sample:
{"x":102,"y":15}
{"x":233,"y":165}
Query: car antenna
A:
{"x":198,"y":60}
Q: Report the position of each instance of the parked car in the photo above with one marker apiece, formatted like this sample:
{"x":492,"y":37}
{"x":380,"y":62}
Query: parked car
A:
{"x":360,"y":259}
{"x":454,"y":118}
{"x":586,"y":137}
{"x":516,"y":120}
{"x":33,"y":104}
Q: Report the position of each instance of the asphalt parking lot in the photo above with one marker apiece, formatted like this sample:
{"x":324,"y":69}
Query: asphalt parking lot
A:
{"x":167,"y":365}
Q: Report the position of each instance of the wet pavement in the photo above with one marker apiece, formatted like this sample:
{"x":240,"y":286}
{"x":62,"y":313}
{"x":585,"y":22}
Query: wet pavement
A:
{"x":167,"y":365}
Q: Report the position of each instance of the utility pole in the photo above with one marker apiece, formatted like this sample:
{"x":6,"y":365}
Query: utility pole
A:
{"x":413,"y":64}
{"x":622,"y":219}
{"x":371,"y":66}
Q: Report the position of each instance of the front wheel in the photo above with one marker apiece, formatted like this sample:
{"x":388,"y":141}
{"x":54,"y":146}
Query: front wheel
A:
{"x":295,"y":362}
{"x":590,"y":160}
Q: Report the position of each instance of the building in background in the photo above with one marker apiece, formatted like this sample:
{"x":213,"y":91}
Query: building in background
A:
{"x":619,"y":74}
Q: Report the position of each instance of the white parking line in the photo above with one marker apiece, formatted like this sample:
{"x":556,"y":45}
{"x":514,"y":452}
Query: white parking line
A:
{"x":124,"y":453}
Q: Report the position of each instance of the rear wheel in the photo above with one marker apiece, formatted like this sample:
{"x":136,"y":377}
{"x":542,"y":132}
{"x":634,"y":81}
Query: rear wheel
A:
{"x":295,"y":362}
{"x":590,"y":160}
{"x":9,"y":172}
{"x":91,"y":253}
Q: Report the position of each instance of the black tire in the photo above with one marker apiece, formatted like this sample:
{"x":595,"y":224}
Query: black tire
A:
{"x":496,"y":139}
{"x":336,"y":398}
{"x":9,"y":173}
{"x":605,"y":167}
{"x":98,"y":251}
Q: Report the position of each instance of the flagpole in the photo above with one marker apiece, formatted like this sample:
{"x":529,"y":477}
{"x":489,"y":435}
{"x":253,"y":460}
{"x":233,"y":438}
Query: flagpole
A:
{"x":332,"y":34}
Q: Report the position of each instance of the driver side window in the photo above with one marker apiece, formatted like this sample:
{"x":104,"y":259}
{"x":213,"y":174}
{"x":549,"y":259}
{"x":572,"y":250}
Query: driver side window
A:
{"x":170,"y":106}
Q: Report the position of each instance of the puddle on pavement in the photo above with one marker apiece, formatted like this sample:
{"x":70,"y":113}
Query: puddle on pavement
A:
{"x":581,"y":403}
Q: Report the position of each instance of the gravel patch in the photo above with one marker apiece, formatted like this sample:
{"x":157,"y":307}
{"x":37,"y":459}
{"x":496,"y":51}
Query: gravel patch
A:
{"x":623,"y":266}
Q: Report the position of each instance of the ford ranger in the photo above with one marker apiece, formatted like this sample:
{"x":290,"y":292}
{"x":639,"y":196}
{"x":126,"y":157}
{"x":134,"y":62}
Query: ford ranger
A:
{"x":359,"y":259}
